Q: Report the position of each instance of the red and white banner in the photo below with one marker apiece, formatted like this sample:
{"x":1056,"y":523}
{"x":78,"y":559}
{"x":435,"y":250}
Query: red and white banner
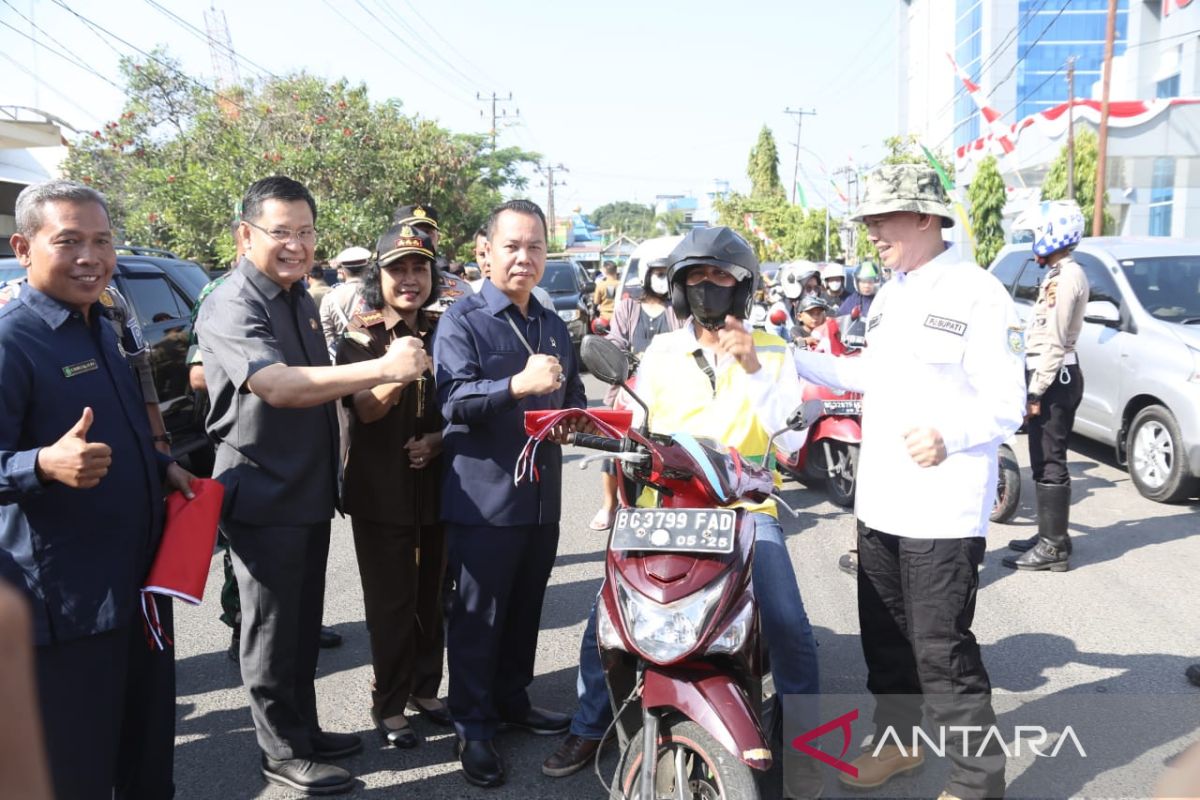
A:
{"x":1052,"y":122}
{"x":999,"y":137}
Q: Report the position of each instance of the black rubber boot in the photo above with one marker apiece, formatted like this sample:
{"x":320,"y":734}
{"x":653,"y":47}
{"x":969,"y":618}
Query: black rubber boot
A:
{"x":1053,"y":547}
{"x":1021,"y":545}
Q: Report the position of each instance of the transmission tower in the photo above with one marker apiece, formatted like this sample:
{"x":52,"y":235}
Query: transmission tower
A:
{"x":220,"y":45}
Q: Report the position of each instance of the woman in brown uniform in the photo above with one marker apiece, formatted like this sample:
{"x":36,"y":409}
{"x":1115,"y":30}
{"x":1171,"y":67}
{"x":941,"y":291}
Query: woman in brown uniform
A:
{"x":392,"y":486}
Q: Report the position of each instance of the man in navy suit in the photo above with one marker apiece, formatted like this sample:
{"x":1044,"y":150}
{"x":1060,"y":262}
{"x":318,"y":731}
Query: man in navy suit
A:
{"x":81,"y":505}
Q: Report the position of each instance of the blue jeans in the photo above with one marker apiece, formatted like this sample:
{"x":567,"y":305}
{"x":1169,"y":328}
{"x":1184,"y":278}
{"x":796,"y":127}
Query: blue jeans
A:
{"x":785,"y":627}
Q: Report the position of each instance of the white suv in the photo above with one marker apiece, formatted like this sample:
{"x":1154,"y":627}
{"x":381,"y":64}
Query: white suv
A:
{"x":1139,"y":351}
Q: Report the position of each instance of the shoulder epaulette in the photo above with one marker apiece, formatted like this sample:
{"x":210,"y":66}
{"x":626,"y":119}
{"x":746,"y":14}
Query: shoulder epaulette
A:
{"x":358,"y":337}
{"x":369,"y":318}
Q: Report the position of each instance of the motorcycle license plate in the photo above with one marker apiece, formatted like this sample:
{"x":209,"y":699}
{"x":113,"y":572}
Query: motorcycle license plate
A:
{"x":843,"y":408}
{"x":674,"y":530}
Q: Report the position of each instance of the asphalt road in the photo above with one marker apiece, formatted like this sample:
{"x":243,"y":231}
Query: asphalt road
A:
{"x":1123,"y":620}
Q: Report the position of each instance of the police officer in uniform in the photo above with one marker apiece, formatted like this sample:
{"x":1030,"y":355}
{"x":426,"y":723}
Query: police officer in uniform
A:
{"x":1055,"y":384}
{"x":942,"y":387}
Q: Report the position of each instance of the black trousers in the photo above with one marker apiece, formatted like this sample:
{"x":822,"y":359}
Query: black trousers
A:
{"x":402,"y":569}
{"x":495,"y":611}
{"x":1049,"y":430}
{"x":916,"y":602}
{"x":281,"y":579}
{"x":108,"y":713}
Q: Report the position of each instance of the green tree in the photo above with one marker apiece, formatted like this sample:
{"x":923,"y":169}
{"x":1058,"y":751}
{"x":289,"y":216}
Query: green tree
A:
{"x":632,"y":219}
{"x":907,"y":150}
{"x":863,"y":249}
{"x":763,"y":168}
{"x":669,"y":223}
{"x":794,"y":232}
{"x":1087,"y":148}
{"x":987,"y":196}
{"x":179,"y":158}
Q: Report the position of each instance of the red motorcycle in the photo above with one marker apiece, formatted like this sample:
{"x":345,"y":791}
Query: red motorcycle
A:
{"x":677,"y":621}
{"x":831,"y":450}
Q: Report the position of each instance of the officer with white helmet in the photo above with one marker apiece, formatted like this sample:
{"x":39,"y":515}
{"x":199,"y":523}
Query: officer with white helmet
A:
{"x":1055,"y":383}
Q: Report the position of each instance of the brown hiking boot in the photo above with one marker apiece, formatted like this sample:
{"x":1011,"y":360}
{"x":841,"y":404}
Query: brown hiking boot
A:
{"x":875,"y":771}
{"x":572,"y":755}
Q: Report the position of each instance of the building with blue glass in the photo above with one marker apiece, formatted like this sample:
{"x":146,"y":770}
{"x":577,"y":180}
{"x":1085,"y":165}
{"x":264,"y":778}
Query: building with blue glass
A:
{"x":1016,"y":51}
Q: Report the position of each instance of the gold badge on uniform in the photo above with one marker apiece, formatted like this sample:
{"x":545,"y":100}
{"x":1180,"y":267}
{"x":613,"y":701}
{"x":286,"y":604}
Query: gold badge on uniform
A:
{"x":106,"y":299}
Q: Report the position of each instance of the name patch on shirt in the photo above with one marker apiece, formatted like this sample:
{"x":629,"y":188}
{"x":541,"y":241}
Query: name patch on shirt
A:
{"x":874,"y":321}
{"x":946,"y":324}
{"x":80,"y":368}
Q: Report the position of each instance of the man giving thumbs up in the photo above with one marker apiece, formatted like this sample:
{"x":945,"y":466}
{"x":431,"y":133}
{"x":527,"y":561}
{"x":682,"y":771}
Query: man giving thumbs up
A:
{"x":81,"y":511}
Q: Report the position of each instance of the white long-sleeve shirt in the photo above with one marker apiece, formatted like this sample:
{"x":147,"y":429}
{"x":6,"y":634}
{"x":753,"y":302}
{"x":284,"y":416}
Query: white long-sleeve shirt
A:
{"x":944,"y":351}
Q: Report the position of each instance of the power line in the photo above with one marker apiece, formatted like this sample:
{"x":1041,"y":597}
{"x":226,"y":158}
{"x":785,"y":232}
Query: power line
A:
{"x":408,"y":45}
{"x":421,"y":41}
{"x":1029,"y":49}
{"x":70,"y":59}
{"x":49,"y":86}
{"x":390,"y":52}
{"x":449,"y":45}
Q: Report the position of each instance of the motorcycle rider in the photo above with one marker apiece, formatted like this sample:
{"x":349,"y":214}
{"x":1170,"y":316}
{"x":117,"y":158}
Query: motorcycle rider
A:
{"x":712,"y":377}
{"x":1055,"y":383}
{"x":796,"y":279}
{"x":834,"y":278}
{"x":866,"y":282}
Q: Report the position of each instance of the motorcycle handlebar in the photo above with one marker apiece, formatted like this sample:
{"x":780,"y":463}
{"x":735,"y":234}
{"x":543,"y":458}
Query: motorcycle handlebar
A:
{"x":595,"y":442}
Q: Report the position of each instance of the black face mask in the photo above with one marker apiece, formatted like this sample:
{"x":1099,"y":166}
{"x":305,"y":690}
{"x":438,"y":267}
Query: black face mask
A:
{"x":710,"y":303}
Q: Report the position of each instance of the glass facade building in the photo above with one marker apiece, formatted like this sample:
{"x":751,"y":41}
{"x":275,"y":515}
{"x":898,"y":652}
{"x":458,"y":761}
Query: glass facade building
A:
{"x":1046,"y":33}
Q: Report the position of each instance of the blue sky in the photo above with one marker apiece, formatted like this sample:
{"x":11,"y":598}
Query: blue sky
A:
{"x":634,"y":98}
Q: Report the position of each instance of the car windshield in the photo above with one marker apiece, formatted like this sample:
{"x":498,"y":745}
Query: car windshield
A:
{"x":1168,"y":288}
{"x":558,"y":278}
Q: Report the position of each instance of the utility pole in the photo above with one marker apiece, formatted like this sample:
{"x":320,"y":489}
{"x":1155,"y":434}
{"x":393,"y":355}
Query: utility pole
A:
{"x":800,"y":114}
{"x":547,"y":171}
{"x":851,"y":175}
{"x":1102,"y":147}
{"x":496,"y":114}
{"x":1071,"y":128}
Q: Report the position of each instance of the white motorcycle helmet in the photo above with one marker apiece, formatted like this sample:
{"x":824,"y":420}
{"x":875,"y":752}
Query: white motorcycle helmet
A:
{"x":1058,"y":226}
{"x":834,"y":272}
{"x":793,"y":275}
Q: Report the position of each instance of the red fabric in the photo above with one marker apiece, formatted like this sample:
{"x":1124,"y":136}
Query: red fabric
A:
{"x":181,"y":565}
{"x":536,"y":422}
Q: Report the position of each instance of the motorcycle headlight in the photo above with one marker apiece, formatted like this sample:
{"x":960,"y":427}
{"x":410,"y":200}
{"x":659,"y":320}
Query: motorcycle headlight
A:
{"x":665,"y":632}
{"x":606,"y":632}
{"x":569,"y":315}
{"x":735,"y":634}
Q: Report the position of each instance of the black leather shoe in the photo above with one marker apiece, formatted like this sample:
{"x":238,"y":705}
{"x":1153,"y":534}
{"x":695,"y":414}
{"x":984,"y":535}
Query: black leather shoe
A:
{"x":848,"y":563}
{"x":482,"y":765}
{"x":330,"y":638}
{"x":438,"y":715}
{"x":405,"y":738}
{"x":1021,"y":545}
{"x":306,"y":776}
{"x":1043,"y":556}
{"x":539,"y":721}
{"x":330,"y":745}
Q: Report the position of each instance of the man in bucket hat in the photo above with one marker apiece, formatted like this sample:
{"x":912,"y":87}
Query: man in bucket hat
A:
{"x":943,"y":383}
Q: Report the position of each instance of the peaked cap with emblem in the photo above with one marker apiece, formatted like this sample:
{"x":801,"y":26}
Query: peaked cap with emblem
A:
{"x":400,"y":240}
{"x":418,"y":214}
{"x":904,"y":187}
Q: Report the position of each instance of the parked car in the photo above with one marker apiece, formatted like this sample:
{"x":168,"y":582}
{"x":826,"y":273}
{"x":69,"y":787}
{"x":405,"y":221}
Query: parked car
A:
{"x":162,"y":291}
{"x":1139,"y":351}
{"x":568,"y":286}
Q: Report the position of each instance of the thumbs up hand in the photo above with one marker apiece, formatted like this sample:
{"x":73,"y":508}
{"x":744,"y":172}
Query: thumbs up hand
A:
{"x":74,"y":460}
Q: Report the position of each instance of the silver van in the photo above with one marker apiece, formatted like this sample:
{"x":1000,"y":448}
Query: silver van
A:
{"x":1139,"y":351}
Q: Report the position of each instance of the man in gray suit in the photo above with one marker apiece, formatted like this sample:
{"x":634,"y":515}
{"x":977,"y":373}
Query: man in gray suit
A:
{"x":272,"y":392}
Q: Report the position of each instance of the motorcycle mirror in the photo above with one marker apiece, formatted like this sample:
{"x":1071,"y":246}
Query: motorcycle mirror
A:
{"x":605,"y":360}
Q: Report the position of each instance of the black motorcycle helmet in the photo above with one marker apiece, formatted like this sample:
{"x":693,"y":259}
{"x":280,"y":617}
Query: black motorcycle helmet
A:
{"x":720,"y":247}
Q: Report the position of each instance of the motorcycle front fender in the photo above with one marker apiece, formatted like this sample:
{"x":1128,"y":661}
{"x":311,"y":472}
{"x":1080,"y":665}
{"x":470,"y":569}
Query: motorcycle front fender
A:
{"x":838,"y":429}
{"x":715,"y":702}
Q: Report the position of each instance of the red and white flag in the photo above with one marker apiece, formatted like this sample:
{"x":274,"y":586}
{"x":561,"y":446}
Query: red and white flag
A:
{"x":1000,"y":132}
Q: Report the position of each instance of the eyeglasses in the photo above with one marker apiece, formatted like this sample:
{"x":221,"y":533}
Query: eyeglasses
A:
{"x":283,"y":235}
